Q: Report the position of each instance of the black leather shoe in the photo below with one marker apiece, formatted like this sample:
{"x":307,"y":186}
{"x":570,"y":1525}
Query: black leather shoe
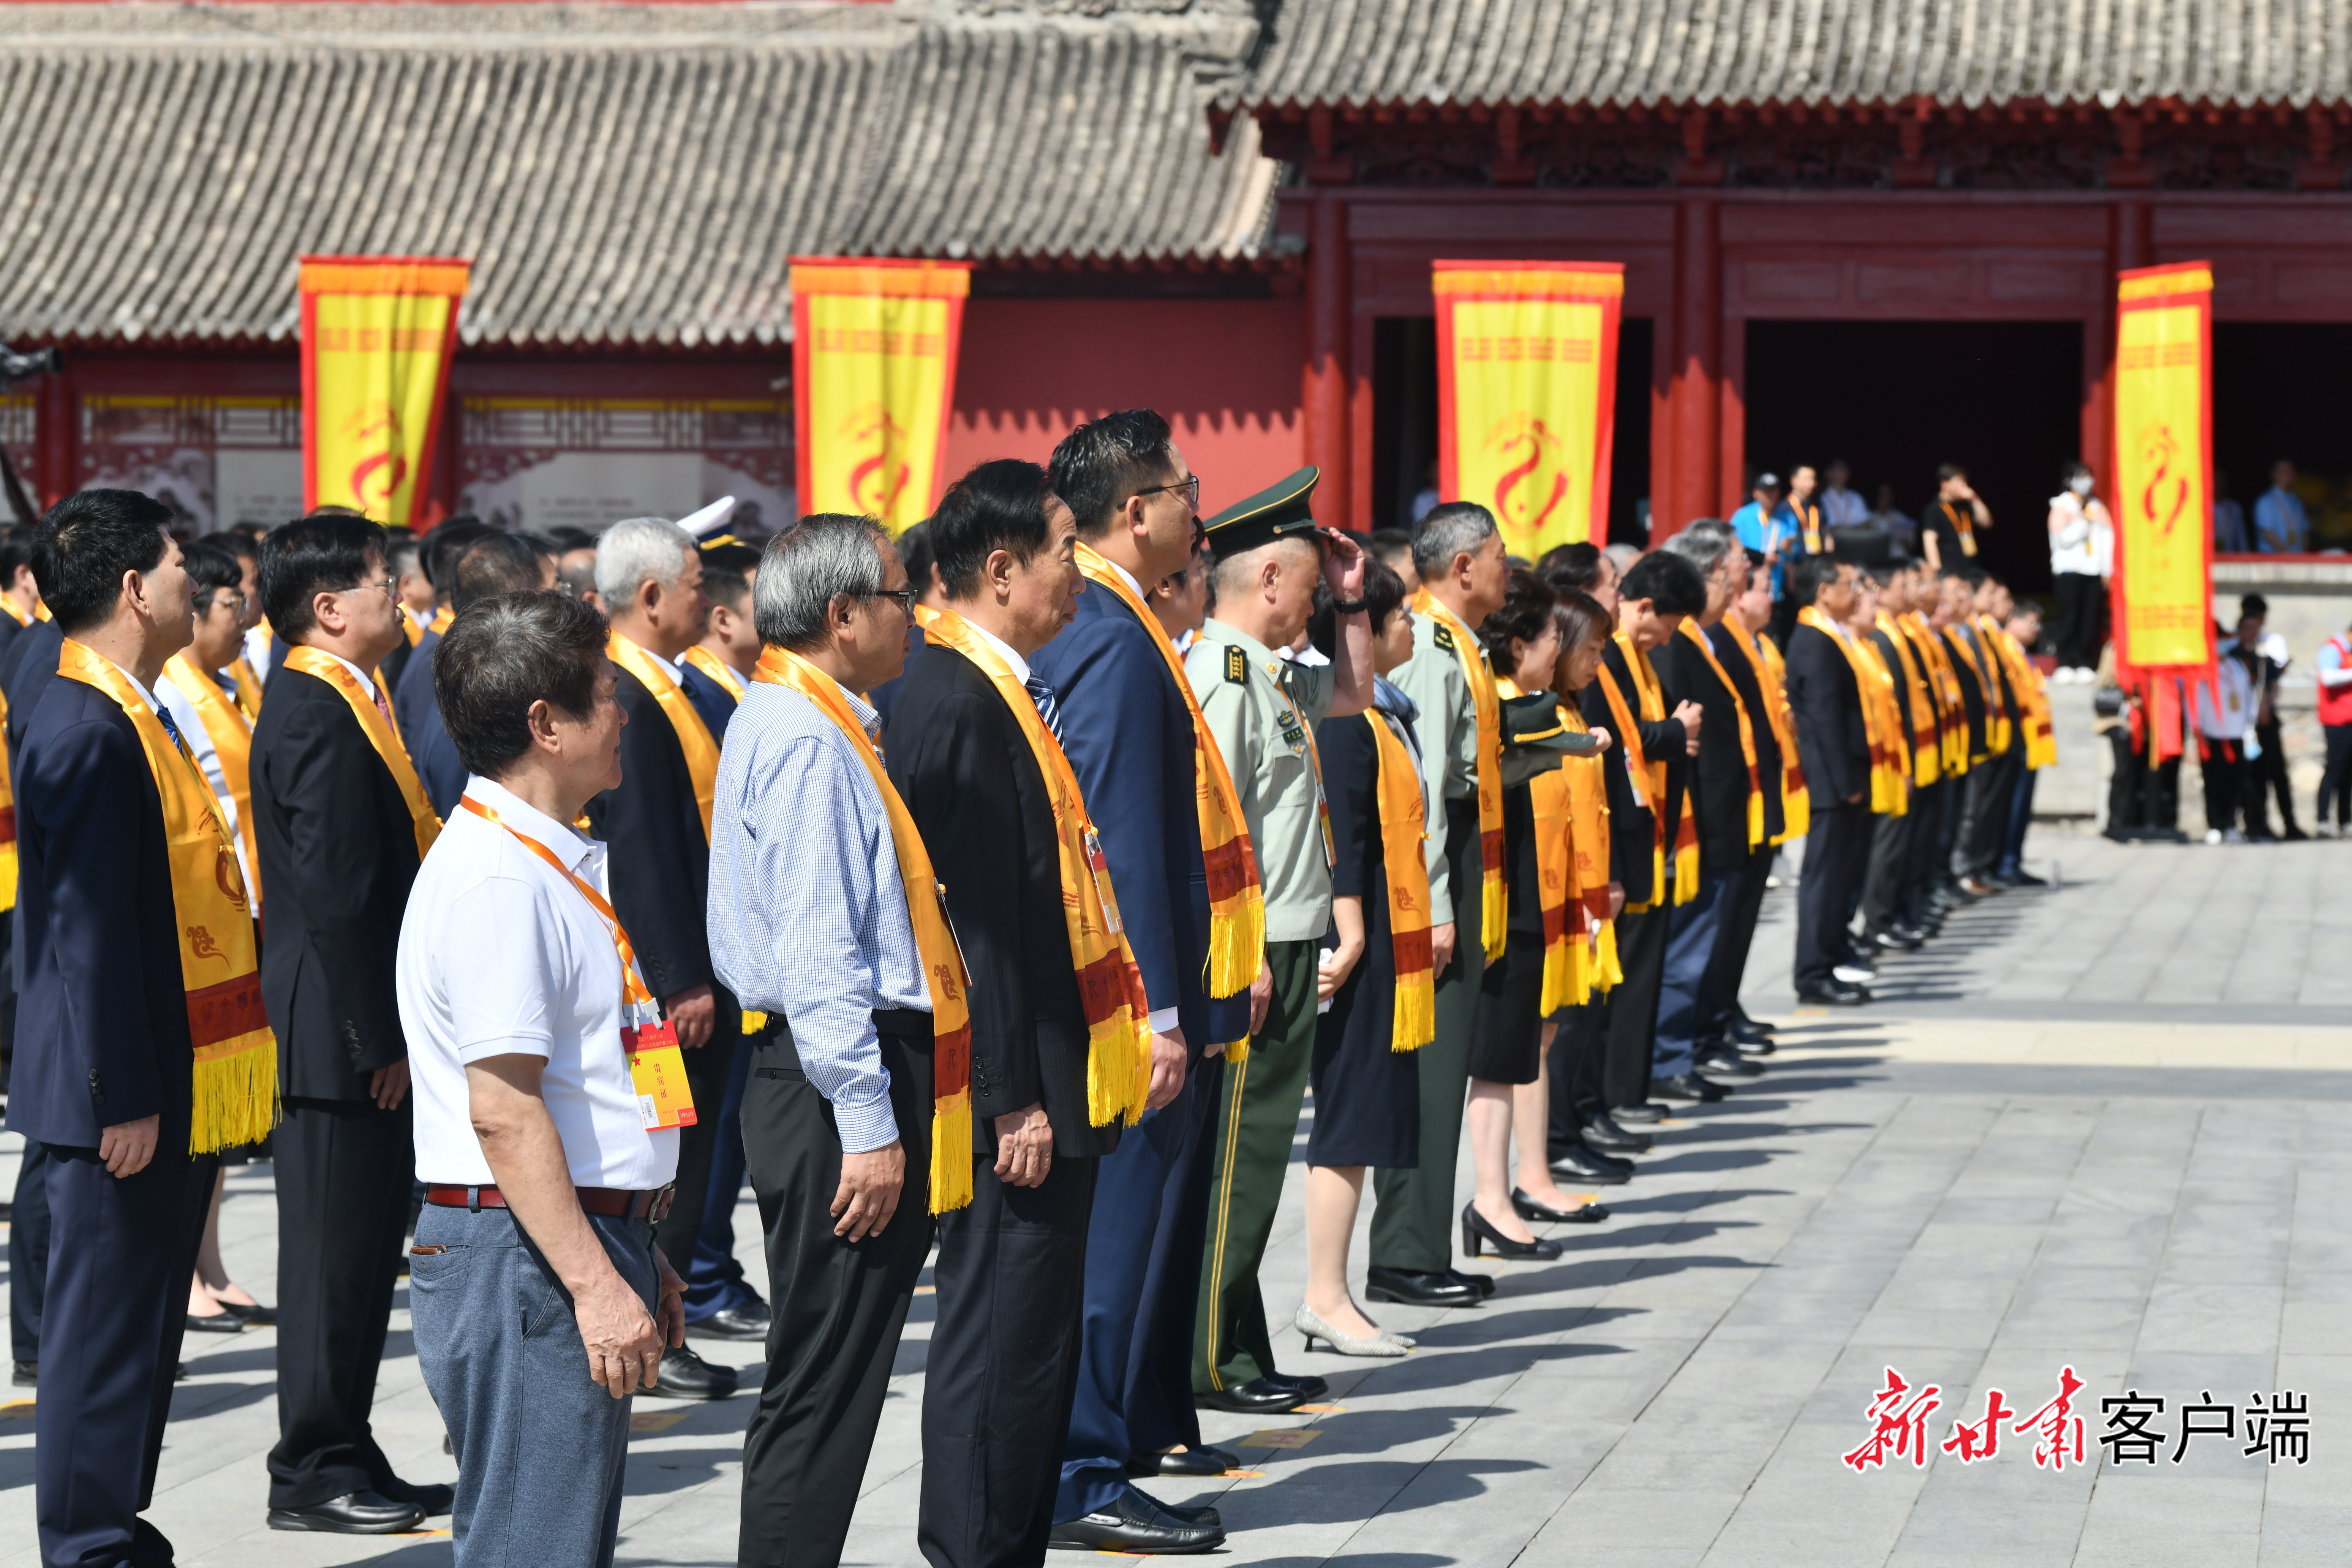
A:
{"x":353,"y":1513}
{"x":1478,"y":1231}
{"x":1192,"y":1463}
{"x":434,"y":1498}
{"x":2022,"y":878}
{"x":1605,"y":1135}
{"x":27,"y":1374}
{"x":1747,"y":1036}
{"x":1482,"y":1283}
{"x":1835,"y":994}
{"x":1739,"y":1016}
{"x":1579,"y":1165}
{"x":1411,"y":1288}
{"x":1307,"y":1386}
{"x":1894,"y":941}
{"x":215,"y":1323}
{"x":1186,"y":1513}
{"x":733,"y":1324}
{"x":1728,"y":1064}
{"x":1133,"y":1522}
{"x":1534,"y":1212}
{"x":1641,"y":1113}
{"x":1255,"y":1397}
{"x":253,"y":1312}
{"x":685,"y":1375}
{"x":1688,"y":1086}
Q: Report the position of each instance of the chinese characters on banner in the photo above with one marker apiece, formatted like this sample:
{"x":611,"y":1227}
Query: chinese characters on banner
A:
{"x":2277,"y":1426}
{"x":1527,"y":390}
{"x":2164,"y":467}
{"x":377,"y":335}
{"x":874,"y":362}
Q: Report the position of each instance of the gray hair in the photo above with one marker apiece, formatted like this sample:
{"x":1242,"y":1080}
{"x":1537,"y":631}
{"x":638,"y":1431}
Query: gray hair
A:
{"x":1623,"y":557}
{"x":636,"y":551}
{"x":1702,"y":543}
{"x":1456,"y":528}
{"x":802,"y":572}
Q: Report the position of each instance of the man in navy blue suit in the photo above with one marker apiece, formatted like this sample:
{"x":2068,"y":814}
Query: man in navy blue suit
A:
{"x":493,"y":564}
{"x":1128,"y":734}
{"x":104,"y":1076}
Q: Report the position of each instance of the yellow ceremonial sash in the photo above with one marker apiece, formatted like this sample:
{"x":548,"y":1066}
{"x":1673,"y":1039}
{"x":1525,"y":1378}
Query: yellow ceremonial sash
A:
{"x":2025,"y":680}
{"x":1404,"y":835}
{"x":1812,"y":519}
{"x":1944,"y":683}
{"x":1236,"y":899}
{"x":718,"y":669}
{"x":235,"y":1071}
{"x":927,"y":911}
{"x":1963,"y":519}
{"x":231,"y":734}
{"x":1683,"y":833}
{"x":248,"y":691}
{"x":1110,"y":986}
{"x":1990,"y":633}
{"x":7,"y":822}
{"x":442,"y":617}
{"x":1772,"y":684}
{"x":326,"y":667}
{"x":693,"y":734}
{"x":1569,"y":811}
{"x":1492,"y":906}
{"x":1919,"y":707}
{"x":19,"y":614}
{"x":1874,"y":687}
{"x":1690,"y":629}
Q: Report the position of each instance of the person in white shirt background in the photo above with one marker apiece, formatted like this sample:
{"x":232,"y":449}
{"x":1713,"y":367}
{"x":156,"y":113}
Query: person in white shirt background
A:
{"x":2224,"y":721}
{"x":2082,"y":555}
{"x":1842,"y":505}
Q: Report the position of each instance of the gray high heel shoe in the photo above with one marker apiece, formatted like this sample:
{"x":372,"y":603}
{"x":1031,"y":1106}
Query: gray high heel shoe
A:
{"x":1311,"y":1326}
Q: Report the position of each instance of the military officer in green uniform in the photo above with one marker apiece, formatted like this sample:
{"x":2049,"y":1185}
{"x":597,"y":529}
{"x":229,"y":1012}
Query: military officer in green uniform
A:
{"x":1262,"y":707}
{"x":1459,"y":554}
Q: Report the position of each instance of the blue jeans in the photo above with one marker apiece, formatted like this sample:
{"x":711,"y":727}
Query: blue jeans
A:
{"x":715,"y":1282}
{"x":539,"y":1444}
{"x":2021,"y":818}
{"x":1690,"y":942}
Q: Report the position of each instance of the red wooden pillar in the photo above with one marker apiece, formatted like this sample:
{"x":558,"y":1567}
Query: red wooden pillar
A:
{"x":2130,"y":243}
{"x":1694,"y":389}
{"x":56,"y":429}
{"x":1324,"y":411}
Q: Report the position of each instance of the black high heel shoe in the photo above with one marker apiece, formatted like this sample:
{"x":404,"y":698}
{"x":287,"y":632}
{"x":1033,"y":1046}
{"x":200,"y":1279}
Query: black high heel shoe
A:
{"x":1544,"y":1214}
{"x":1476,"y":1231}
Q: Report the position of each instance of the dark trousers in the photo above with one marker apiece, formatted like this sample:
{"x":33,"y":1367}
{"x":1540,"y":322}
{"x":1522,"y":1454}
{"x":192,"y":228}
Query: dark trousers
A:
{"x":1837,"y":848}
{"x":1148,"y":1190}
{"x":1692,"y":932}
{"x":343,"y":1173}
{"x":2224,"y":767}
{"x":1948,"y":826}
{"x":838,"y":1306}
{"x":1634,"y":1007}
{"x":1889,"y":859}
{"x":1922,"y":871}
{"x":2081,"y":602}
{"x":1743,"y":905}
{"x":2127,"y":786}
{"x":1002,"y":1366}
{"x":2336,"y":782}
{"x":28,"y":1251}
{"x":1257,"y":1125}
{"x":2021,"y":818}
{"x":717,"y":1282}
{"x":1577,"y":1050}
{"x":1414,"y":1213}
{"x":2266,"y":775}
{"x":124,"y":1249}
{"x":1160,"y":1409}
{"x":706,"y":1070}
{"x":1985,"y":816}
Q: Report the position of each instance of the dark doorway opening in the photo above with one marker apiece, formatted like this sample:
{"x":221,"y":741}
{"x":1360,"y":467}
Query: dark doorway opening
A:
{"x":1404,"y":423}
{"x":1897,"y":398}
{"x":2274,"y":397}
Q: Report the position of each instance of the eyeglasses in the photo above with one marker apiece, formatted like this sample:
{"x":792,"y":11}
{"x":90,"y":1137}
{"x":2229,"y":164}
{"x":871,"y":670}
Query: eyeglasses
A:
{"x":1189,"y":489}
{"x":224,"y":598}
{"x":904,"y":597}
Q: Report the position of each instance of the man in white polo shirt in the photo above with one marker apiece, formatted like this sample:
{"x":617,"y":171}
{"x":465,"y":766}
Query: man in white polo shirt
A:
{"x":546,"y":1162}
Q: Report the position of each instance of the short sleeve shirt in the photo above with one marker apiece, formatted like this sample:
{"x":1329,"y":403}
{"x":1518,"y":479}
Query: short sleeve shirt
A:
{"x":1262,"y":711}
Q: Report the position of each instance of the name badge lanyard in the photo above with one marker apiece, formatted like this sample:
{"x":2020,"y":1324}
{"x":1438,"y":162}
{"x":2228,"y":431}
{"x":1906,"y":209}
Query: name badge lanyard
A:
{"x":1305,"y":748}
{"x":656,"y":1067}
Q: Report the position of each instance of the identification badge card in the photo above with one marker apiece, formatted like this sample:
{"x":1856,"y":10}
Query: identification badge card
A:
{"x":1098,"y":867}
{"x":658,"y":1073}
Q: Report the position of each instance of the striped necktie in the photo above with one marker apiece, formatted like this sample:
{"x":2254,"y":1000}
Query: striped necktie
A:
{"x":1047,"y":709}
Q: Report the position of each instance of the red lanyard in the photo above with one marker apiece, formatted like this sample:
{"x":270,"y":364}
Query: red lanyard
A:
{"x":631,"y":988}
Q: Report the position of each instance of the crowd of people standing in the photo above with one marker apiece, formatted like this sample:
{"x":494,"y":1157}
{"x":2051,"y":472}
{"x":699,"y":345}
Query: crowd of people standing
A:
{"x":995,"y":896}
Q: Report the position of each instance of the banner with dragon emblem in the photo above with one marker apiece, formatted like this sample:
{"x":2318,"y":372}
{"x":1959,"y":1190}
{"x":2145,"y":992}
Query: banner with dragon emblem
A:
{"x":2164,"y":466}
{"x":874,"y":365}
{"x":378,"y":332}
{"x":1527,"y":392}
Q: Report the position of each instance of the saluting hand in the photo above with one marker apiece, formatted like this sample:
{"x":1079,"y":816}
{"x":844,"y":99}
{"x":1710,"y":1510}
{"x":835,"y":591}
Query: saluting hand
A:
{"x":1025,"y":1147}
{"x":1343,"y":565}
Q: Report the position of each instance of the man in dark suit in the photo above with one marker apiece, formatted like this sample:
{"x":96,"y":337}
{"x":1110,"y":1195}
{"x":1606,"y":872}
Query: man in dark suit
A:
{"x":1721,"y":1017}
{"x":656,"y":830}
{"x":20,"y":596}
{"x":412,"y":694}
{"x":104,"y":1085}
{"x":1003,"y":1354}
{"x":1825,"y":701}
{"x":493,"y":564}
{"x":1127,"y":731}
{"x":339,"y":845}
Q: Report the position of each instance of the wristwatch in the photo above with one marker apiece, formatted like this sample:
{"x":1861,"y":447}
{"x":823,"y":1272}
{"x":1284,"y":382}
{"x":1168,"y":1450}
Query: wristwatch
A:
{"x":1350,"y":607}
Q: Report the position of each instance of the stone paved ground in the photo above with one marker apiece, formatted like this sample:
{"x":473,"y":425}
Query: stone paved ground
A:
{"x":2108,"y":1126}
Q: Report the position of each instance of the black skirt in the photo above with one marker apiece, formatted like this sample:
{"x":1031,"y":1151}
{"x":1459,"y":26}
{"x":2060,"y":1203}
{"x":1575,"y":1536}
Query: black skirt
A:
{"x":1504,"y":1038}
{"x":1367,"y":1097}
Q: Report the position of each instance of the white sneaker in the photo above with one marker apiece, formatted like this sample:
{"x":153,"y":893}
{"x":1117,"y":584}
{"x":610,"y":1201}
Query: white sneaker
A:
{"x":1854,"y":974}
{"x":2213,"y":835}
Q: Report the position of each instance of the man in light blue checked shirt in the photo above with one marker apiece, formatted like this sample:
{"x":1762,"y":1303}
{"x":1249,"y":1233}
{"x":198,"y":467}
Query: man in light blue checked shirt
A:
{"x":808,"y":923}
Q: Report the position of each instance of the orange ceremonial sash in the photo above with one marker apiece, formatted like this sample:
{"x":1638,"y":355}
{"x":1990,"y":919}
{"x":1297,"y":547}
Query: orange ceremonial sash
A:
{"x":378,"y":728}
{"x":231,"y":734}
{"x":927,"y":911}
{"x":1944,"y":685}
{"x":1919,"y":708}
{"x":1875,"y":686}
{"x":1690,"y":629}
{"x":1404,"y":835}
{"x":1236,"y":899}
{"x":1492,"y":906}
{"x":2032,"y":697}
{"x":1772,"y":683}
{"x":693,"y":734}
{"x":1110,"y":987}
{"x":7,"y":822}
{"x":718,"y":669}
{"x":1649,"y":775}
{"x":236,"y":1070}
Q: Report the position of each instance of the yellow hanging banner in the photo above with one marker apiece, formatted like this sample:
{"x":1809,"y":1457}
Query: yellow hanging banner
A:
{"x":874,"y":363}
{"x":2164,"y":466}
{"x":378,"y":332}
{"x":1527,"y":392}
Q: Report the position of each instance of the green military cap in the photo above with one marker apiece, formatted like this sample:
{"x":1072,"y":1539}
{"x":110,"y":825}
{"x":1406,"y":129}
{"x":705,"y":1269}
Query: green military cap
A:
{"x":1279,"y":512}
{"x":1535,"y":737}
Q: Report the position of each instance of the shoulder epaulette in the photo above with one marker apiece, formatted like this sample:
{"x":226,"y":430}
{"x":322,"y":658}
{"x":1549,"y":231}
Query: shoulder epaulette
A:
{"x":1441,"y":635}
{"x":1236,"y":666}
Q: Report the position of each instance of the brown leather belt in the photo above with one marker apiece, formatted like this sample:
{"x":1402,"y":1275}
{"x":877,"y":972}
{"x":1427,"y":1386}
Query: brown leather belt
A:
{"x":620,"y":1203}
